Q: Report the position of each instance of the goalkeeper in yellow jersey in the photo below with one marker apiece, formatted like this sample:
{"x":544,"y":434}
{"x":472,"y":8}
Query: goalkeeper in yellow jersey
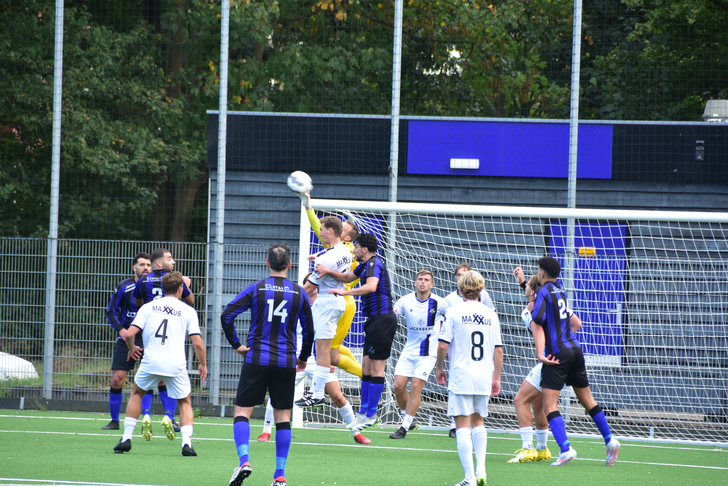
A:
{"x":341,"y":356}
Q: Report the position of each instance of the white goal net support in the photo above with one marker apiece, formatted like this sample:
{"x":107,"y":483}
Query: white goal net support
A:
{"x":650,"y":288}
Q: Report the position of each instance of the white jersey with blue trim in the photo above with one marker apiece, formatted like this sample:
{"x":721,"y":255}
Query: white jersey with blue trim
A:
{"x":423,"y":318}
{"x":337,"y":258}
{"x":472,"y":332}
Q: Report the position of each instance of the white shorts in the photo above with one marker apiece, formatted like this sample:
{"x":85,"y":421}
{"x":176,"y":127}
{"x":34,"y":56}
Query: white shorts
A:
{"x":310,"y":368}
{"x":466,"y":405}
{"x":415,"y":366}
{"x":327,"y":310}
{"x":177,"y":386}
{"x":534,"y":376}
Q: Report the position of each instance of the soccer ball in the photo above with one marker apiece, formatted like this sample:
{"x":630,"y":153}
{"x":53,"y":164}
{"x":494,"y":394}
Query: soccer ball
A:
{"x":299,"y":183}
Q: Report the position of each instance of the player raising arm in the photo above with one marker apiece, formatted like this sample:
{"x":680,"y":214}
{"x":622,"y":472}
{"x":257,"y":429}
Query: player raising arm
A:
{"x":341,"y":356}
{"x":163,"y":325}
{"x":529,"y":395}
{"x":329,"y":308}
{"x":379,"y":328}
{"x":471,"y":336}
{"x":559,"y":350}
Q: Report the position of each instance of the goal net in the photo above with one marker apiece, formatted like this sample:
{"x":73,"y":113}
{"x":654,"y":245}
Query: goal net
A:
{"x":649,"y":287}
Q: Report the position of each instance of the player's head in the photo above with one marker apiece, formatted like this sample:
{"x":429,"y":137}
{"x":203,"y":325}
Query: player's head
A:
{"x":162,"y":260}
{"x":461,"y":269}
{"x":142,"y":265}
{"x":366,"y":245}
{"x":279,"y":257}
{"x":470,"y":284}
{"x":532,"y":288}
{"x":424,"y":281}
{"x":172,"y":284}
{"x":331,"y":226}
{"x":349,"y":231}
{"x":550,"y":266}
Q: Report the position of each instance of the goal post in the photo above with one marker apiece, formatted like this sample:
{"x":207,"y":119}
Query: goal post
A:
{"x":649,"y":287}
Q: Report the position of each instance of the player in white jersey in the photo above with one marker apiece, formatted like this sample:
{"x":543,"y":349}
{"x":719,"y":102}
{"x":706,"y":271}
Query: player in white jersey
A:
{"x":457,"y":296}
{"x":332,"y":388}
{"x":529,"y":397}
{"x":423,"y":312}
{"x":328,"y":308}
{"x":164,"y":324}
{"x":471,"y":337}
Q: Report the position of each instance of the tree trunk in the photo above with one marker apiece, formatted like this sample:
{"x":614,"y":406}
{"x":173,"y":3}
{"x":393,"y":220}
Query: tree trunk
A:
{"x":185,"y":195}
{"x":162,"y":212}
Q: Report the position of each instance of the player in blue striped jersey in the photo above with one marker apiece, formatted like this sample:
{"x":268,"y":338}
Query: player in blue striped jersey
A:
{"x":560,"y":351}
{"x":423,"y":312}
{"x":121,"y":311}
{"x":147,"y":289}
{"x":379,"y":329}
{"x":276,"y":304}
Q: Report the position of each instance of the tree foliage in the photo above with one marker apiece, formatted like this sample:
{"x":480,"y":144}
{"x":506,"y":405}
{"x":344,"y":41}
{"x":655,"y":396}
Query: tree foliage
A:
{"x":140,"y":75}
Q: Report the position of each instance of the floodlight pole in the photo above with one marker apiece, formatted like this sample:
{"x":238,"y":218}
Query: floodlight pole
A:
{"x":52,"y":261}
{"x":220,"y":213}
{"x":573,"y":147}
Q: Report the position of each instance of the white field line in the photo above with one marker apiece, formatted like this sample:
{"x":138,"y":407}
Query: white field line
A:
{"x":315,"y":444}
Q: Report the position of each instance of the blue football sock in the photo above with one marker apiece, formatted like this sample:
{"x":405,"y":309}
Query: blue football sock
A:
{"x":169,"y":404}
{"x":241,"y":433}
{"x":115,"y":397}
{"x":147,"y":402}
{"x":283,"y":444}
{"x":598,"y":417}
{"x":375,"y":393}
{"x":365,"y":383}
{"x":558,"y":429}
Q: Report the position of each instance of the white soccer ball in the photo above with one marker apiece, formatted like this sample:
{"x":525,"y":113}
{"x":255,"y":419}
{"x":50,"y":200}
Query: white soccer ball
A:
{"x":299,"y":182}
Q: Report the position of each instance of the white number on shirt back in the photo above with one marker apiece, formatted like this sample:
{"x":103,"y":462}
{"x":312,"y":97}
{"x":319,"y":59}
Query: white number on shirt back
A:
{"x":279,"y":312}
{"x":157,"y":293}
{"x":476,"y":351}
{"x":162,"y":327}
{"x":562,"y":308}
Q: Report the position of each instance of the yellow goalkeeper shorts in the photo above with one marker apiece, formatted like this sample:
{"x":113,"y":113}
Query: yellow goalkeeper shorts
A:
{"x":344,"y":324}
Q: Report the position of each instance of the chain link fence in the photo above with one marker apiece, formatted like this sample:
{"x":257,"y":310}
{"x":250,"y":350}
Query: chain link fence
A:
{"x":83,"y":341}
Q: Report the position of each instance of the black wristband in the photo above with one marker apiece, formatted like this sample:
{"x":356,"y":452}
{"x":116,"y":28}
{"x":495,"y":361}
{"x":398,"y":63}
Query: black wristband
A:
{"x":523,"y":285}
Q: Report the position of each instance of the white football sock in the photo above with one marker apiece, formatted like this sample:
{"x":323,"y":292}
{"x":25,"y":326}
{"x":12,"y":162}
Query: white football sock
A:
{"x":186,"y":434}
{"x":348,"y":415}
{"x":407,"y":421}
{"x":268,"y":424}
{"x":542,"y":438}
{"x":526,"y":437}
{"x":465,"y":451}
{"x":480,"y":444}
{"x":129,"y":425}
{"x":320,"y":376}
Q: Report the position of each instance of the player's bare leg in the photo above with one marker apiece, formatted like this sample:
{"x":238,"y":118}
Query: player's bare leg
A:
{"x":409,"y":402}
{"x":333,"y":390}
{"x":526,"y":395}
